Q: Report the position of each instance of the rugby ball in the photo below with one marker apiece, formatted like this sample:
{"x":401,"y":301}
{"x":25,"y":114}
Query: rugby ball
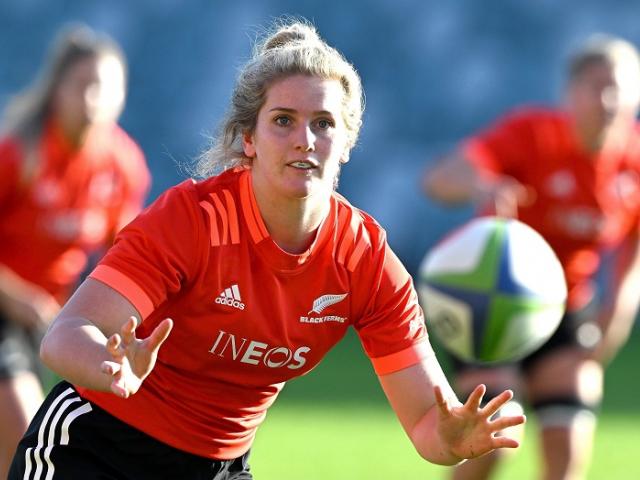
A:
{"x":492,"y":290}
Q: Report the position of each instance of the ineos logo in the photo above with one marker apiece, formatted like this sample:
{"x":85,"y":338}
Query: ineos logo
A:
{"x":254,"y":352}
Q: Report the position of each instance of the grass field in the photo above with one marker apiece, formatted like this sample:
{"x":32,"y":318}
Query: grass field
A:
{"x":335,"y":424}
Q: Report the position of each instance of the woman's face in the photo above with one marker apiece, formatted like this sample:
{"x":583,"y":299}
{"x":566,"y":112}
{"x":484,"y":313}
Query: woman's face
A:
{"x":602,"y":95}
{"x":300,"y":137}
{"x":91,"y":91}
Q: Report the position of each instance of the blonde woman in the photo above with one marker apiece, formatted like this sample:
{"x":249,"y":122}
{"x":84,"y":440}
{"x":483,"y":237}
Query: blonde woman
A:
{"x":224,"y":289}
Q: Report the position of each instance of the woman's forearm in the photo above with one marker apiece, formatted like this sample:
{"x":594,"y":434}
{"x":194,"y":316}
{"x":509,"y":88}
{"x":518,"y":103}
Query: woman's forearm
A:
{"x":75,"y":349}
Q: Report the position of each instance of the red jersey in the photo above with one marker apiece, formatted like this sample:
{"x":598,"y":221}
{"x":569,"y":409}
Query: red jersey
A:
{"x":65,"y":203}
{"x":247,"y":315}
{"x":584,"y":203}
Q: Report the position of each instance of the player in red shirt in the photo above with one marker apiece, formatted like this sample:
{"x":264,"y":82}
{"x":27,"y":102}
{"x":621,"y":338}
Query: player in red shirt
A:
{"x":69,"y":179}
{"x":245,"y":280}
{"x":573,"y":174}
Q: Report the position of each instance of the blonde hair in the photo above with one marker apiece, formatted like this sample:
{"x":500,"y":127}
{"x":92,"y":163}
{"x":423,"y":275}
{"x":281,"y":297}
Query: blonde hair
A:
{"x":293,"y":47}
{"x":27,"y":112}
{"x":600,"y":48}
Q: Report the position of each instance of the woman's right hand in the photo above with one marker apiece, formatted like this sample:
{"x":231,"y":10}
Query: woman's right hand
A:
{"x":34,"y":310}
{"x":502,"y":196}
{"x":133,"y":359}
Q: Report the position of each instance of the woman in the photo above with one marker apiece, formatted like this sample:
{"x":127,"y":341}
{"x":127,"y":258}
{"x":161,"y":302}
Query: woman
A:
{"x":69,"y":179}
{"x":573,"y":174}
{"x":245,"y":280}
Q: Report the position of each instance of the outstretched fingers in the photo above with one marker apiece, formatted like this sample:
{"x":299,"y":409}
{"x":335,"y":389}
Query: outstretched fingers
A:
{"x":110,"y":368}
{"x":496,"y":403}
{"x":128,"y":330}
{"x":119,"y":388}
{"x":502,"y":423}
{"x":504,"y":442}
{"x":475,"y":399}
{"x":441,"y":401}
{"x":113,"y":346}
{"x":159,"y":335}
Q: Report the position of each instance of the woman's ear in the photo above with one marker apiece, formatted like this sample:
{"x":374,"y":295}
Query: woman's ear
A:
{"x":345,"y":156}
{"x":248,"y":146}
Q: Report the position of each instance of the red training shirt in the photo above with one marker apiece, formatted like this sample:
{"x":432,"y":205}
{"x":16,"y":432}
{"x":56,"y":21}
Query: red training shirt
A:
{"x":248,"y":316}
{"x":583,"y":202}
{"x":65,"y":203}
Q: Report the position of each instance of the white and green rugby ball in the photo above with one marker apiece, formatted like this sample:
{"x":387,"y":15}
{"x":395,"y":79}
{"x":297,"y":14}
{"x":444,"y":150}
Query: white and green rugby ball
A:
{"x":493,"y":290}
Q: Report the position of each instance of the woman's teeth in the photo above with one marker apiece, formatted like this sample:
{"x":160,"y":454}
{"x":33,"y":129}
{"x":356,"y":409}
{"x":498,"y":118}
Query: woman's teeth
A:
{"x":303,"y":165}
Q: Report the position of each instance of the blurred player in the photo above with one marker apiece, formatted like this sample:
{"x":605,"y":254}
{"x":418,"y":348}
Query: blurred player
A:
{"x":69,"y":179}
{"x":246,"y":279}
{"x":573,"y":174}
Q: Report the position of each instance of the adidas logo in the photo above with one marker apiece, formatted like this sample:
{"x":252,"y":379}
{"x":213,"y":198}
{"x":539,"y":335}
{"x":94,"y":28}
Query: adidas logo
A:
{"x":231,"y":296}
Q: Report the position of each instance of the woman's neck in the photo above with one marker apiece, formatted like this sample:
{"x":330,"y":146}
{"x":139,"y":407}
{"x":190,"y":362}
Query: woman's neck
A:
{"x":75,"y":135}
{"x":292,"y":223}
{"x":590,"y":139}
{"x":595,"y":140}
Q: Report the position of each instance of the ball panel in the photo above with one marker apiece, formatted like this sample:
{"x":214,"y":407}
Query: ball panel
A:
{"x":482,"y":245}
{"x":450,"y":320}
{"x":516,"y":326}
{"x":531,"y":265}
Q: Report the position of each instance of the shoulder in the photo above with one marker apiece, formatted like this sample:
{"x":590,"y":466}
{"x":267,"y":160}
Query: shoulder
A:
{"x":534,"y":116}
{"x":125,"y":152}
{"x":193,"y":192}
{"x":11,"y":149}
{"x":359,"y":236}
{"x":219,"y":186}
{"x":208,"y":199}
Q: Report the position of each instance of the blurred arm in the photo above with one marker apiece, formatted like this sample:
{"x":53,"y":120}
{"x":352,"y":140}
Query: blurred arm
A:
{"x":621,"y":305}
{"x":454,"y":180}
{"x":24,"y":302}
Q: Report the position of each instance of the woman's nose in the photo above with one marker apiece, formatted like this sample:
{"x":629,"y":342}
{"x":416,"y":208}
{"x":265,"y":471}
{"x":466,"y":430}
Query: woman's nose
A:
{"x":305,"y":139}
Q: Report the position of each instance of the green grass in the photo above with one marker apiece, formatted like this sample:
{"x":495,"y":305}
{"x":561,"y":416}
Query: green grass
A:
{"x":335,"y":424}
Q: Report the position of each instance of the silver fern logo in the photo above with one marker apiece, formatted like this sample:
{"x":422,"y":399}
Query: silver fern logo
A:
{"x":320,"y":303}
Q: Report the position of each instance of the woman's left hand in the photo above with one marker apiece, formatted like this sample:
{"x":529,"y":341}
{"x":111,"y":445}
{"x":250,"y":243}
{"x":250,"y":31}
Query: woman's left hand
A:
{"x":468,"y":430}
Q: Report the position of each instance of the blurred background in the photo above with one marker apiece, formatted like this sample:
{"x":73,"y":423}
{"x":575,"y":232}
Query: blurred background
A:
{"x":433,"y":72}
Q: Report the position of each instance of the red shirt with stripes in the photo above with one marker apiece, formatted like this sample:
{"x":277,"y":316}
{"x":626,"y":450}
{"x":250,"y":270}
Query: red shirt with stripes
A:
{"x":248,"y":316}
{"x":584,"y":203}
{"x":60,"y":203}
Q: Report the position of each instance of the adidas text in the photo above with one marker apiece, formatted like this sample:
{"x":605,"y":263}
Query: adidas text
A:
{"x":231,"y":302}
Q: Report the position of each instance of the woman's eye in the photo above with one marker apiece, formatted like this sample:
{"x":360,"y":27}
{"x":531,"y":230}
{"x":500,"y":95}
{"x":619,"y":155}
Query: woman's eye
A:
{"x":283,"y":121}
{"x":324,"y":123}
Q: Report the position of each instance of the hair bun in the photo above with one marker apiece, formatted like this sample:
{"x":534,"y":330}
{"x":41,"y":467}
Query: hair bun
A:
{"x":293,"y":33}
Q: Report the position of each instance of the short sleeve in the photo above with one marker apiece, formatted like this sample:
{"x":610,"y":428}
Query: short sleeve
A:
{"x":158,"y":253}
{"x":391,"y":329}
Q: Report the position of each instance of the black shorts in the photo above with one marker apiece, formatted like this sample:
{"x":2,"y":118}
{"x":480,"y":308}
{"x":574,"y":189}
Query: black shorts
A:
{"x":19,"y":349}
{"x":73,"y":439}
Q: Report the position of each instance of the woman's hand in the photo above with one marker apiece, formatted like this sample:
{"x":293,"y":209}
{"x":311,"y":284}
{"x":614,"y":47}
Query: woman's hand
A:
{"x":25,"y":303}
{"x":133,"y":359}
{"x":468,"y":430}
{"x":502,"y":196}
